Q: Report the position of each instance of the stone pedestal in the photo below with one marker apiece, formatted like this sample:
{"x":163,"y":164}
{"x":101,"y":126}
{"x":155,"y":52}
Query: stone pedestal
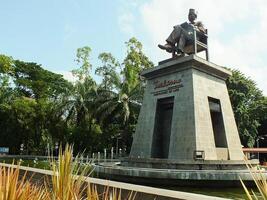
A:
{"x":186,"y":132}
{"x":186,"y":113}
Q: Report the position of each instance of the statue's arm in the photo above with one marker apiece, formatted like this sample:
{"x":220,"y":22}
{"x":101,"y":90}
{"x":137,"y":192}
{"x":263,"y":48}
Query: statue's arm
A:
{"x":201,"y":27}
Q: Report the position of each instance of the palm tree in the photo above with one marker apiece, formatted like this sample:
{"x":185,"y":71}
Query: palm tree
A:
{"x":76,"y":110}
{"x":117,"y":106}
{"x":79,"y":105}
{"x":125,"y":90}
{"x":120,"y":107}
{"x":119,"y":103}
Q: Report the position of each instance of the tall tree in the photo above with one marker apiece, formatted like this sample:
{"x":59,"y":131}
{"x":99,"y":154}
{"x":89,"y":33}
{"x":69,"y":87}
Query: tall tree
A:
{"x":6,"y":69}
{"x":83,"y":61}
{"x":25,"y":106}
{"x":6,"y":63}
{"x":34,"y":81}
{"x":246,"y":100}
{"x":79,"y":104}
{"x":135,"y":62}
{"x":108,"y":71}
{"x":120,"y":105}
{"x":262,"y":108}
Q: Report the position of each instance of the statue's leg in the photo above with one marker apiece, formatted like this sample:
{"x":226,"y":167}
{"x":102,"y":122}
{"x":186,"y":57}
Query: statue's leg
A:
{"x":174,"y":37}
{"x":181,"y":42}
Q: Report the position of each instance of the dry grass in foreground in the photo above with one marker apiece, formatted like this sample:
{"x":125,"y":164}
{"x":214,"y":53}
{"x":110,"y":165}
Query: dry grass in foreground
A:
{"x":66,"y":184}
{"x":259,"y":180}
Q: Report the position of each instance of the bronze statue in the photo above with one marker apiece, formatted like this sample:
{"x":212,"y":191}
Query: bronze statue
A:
{"x":182,"y":35}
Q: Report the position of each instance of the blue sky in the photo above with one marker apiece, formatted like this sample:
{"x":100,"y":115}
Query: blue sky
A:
{"x":49,"y":32}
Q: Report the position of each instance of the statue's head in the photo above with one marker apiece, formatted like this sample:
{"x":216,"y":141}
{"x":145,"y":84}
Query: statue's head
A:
{"x":192,"y":15}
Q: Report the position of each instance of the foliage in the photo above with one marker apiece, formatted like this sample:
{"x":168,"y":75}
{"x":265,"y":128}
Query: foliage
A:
{"x":127,"y":86}
{"x":108,"y":71}
{"x":262,"y":108}
{"x":246,"y":101}
{"x":65,"y":185}
{"x":6,"y":68}
{"x":6,"y":64}
{"x":39,"y":107}
{"x":120,"y":102}
{"x":82,"y":59}
{"x":6,"y":93}
{"x":35,"y":82}
{"x":13,"y":187}
{"x":134,"y":63}
{"x":68,"y":183}
{"x":78,"y":107}
{"x":26,"y":106}
{"x":259,"y":179}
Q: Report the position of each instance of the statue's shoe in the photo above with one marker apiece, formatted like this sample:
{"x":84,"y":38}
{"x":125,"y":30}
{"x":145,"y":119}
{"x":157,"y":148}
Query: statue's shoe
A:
{"x":167,"y":47}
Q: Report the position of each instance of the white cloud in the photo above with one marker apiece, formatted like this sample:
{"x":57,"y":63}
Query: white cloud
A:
{"x":127,"y":17}
{"x":237,"y":31}
{"x":67,"y":75}
{"x":126,"y":21}
{"x":69,"y":31}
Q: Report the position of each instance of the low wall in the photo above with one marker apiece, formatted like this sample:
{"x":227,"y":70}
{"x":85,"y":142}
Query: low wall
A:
{"x":143,"y":192}
{"x":154,"y":163}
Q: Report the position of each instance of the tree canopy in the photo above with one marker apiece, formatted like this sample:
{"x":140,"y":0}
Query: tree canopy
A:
{"x":247,"y":101}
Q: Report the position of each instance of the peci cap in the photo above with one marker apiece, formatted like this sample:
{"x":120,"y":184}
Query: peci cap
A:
{"x":193,"y":11}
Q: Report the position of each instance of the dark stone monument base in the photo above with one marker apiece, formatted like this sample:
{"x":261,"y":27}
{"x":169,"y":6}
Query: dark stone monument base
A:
{"x":186,"y":131}
{"x":177,"y":177}
{"x":186,"y":113}
{"x":186,"y":165}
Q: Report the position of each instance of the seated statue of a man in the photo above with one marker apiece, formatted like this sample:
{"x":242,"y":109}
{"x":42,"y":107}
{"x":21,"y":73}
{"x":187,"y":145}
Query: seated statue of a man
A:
{"x":182,"y":34}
